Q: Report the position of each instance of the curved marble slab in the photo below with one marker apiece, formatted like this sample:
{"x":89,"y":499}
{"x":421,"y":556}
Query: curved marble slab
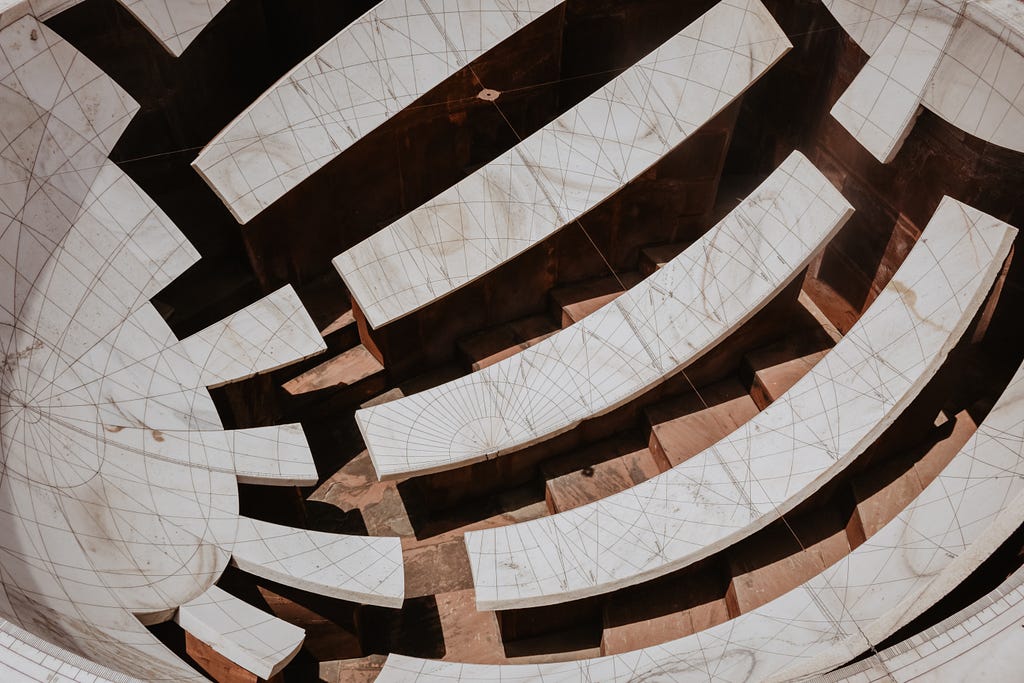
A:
{"x":779,"y":458}
{"x":362,"y":569}
{"x":964,"y":61}
{"x":983,"y":642}
{"x":880,"y":106}
{"x":979,"y":84}
{"x":118,"y":485}
{"x":175,"y":23}
{"x":642,"y":338}
{"x":273,"y":456}
{"x":963,"y":516}
{"x":566,"y":168}
{"x":254,"y":640}
{"x":269,"y":334}
{"x":356,"y":81}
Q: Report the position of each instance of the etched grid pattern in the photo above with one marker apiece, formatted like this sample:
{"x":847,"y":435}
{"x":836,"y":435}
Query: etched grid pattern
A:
{"x":257,"y":641}
{"x":175,"y":23}
{"x":366,"y":74}
{"x":354,"y":568}
{"x":642,"y":338}
{"x":118,"y":485}
{"x":979,"y":84}
{"x":880,"y":106}
{"x":949,"y":530}
{"x":958,"y":648}
{"x":567,"y":167}
{"x":777,"y":459}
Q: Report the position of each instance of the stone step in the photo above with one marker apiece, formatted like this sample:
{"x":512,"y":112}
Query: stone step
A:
{"x":777,"y":367}
{"x":497,"y":343}
{"x":572,"y":303}
{"x":885,"y":490}
{"x":597,"y":472}
{"x":344,"y":370}
{"x":684,"y":426}
{"x":774,"y":561}
{"x":654,"y":614}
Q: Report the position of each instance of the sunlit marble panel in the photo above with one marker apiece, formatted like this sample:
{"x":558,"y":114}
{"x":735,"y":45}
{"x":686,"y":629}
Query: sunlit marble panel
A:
{"x":566,"y":168}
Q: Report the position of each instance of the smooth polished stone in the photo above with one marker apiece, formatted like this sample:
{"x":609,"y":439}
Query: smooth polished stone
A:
{"x":640,"y":339}
{"x":571,"y":165}
{"x":959,"y":520}
{"x":778,"y":458}
{"x":362,"y":569}
{"x":352,"y":84}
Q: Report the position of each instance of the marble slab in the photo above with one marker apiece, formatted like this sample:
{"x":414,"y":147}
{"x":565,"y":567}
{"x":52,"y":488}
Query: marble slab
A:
{"x":641,"y":338}
{"x":979,"y":84}
{"x":982,"y":642}
{"x":366,"y":570}
{"x":175,"y":23}
{"x":272,"y":456}
{"x":962,"y":60}
{"x":778,"y":458}
{"x":352,"y":84}
{"x":566,"y":168}
{"x":12,"y":10}
{"x":269,"y":334}
{"x":118,"y":484}
{"x":880,"y":106}
{"x":963,"y":516}
{"x":249,"y":637}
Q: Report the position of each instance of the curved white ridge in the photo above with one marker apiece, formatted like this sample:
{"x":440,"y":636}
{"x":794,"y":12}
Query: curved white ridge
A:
{"x":777,"y":459}
{"x":566,"y":168}
{"x":118,"y":485}
{"x":963,"y":516}
{"x":366,"y":74}
{"x":175,"y":23}
{"x":363,"y":569}
{"x":256,"y":641}
{"x":964,"y":61}
{"x":982,"y":642}
{"x":642,"y":338}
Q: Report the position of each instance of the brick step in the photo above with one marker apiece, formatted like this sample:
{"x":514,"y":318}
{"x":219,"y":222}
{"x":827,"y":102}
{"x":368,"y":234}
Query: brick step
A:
{"x":571,"y":303}
{"x":775,"y":368}
{"x":598,"y":471}
{"x":351,"y":367}
{"x":497,"y":343}
{"x":650,"y":615}
{"x":683,"y":427}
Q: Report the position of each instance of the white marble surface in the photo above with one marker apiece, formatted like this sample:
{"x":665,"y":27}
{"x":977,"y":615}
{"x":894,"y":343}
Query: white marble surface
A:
{"x":175,"y":23}
{"x":271,"y":333}
{"x":963,"y":516}
{"x":24,"y":657}
{"x":642,"y":338}
{"x":982,"y":642}
{"x":362,"y":569}
{"x":777,"y":459}
{"x":276,"y":455}
{"x":880,"y":106}
{"x":962,"y":60}
{"x":12,"y":10}
{"x":979,"y":84}
{"x":255,"y":640}
{"x":359,"y":79}
{"x":566,"y":168}
{"x":118,"y":485}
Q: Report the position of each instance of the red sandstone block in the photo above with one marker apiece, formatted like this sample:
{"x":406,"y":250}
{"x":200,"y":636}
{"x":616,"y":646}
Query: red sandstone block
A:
{"x":683,"y":427}
{"x":574,"y":302}
{"x":346,"y":369}
{"x":600,"y":480}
